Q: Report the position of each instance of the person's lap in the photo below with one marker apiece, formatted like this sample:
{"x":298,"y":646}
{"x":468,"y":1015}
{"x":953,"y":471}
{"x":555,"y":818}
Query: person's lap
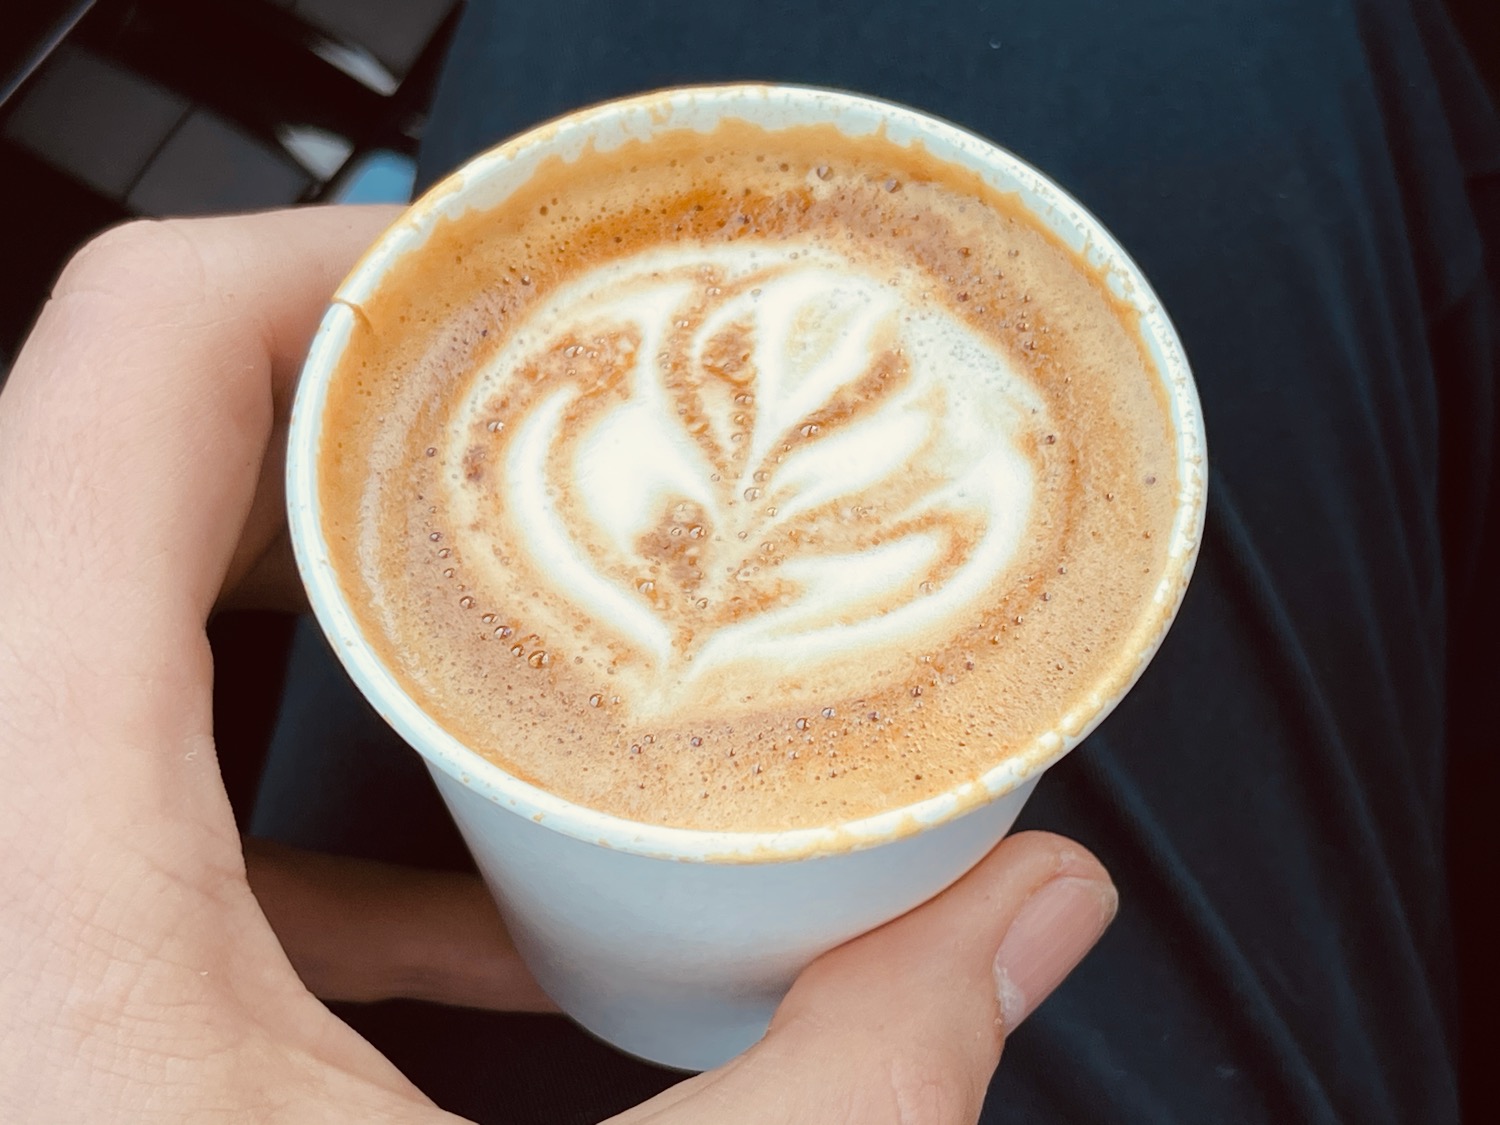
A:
{"x":1270,"y":796}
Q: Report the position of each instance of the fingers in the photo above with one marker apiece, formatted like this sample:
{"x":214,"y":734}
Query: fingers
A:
{"x":271,"y":272}
{"x":135,"y":424}
{"x":358,"y":930}
{"x":904,"y":1026}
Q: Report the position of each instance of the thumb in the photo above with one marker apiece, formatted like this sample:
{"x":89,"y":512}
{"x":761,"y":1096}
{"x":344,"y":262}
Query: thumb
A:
{"x":359,"y":930}
{"x":905,"y":1024}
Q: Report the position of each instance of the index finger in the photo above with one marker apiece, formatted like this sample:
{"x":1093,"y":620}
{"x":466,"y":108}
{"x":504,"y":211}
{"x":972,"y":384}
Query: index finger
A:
{"x":136,"y":421}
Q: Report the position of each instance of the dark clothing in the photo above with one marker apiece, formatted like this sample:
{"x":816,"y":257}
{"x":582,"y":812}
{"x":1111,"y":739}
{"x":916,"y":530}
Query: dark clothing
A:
{"x":1312,"y":188}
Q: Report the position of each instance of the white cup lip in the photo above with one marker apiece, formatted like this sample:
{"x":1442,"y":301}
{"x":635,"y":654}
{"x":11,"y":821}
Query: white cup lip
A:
{"x":1049,"y":203}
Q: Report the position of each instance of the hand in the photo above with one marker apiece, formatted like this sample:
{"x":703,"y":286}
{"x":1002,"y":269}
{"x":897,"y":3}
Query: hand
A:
{"x":153,"y":969}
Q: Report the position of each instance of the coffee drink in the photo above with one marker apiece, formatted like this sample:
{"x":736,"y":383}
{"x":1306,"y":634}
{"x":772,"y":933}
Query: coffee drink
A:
{"x":750,"y":479}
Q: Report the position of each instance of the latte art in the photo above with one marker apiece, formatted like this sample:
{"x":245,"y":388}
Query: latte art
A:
{"x":753,"y":480}
{"x":727,"y":462}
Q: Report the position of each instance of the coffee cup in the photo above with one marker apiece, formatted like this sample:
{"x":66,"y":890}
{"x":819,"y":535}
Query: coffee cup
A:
{"x":675,"y":943}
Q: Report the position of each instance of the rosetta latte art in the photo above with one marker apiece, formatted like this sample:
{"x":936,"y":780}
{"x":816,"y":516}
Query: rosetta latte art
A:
{"x":710,"y":468}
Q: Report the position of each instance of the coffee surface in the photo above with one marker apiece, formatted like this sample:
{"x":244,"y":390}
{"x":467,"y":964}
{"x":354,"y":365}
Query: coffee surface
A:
{"x":749,"y":480}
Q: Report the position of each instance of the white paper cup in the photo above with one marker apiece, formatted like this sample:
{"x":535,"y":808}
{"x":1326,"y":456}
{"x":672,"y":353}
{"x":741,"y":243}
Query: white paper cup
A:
{"x":676,"y":945}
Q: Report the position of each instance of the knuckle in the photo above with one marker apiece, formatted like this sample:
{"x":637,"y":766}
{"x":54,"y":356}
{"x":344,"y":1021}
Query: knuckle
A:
{"x":133,"y":260}
{"x":929,"y":1087}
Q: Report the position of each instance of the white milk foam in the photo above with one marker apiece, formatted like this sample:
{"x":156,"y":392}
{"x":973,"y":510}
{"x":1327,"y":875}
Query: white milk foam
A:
{"x":891,"y":509}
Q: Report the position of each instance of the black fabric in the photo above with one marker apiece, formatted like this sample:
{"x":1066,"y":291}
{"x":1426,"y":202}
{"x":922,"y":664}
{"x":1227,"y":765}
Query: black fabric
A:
{"x":1312,"y":187}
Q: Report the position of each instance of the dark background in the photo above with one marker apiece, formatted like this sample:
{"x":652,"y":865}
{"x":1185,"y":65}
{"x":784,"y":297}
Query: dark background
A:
{"x":117,"y":108}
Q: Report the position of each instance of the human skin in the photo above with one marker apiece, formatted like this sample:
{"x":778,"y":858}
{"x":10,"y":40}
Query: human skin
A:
{"x":154,"y":966}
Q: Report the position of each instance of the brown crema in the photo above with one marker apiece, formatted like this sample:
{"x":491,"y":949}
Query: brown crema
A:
{"x":455,"y":363}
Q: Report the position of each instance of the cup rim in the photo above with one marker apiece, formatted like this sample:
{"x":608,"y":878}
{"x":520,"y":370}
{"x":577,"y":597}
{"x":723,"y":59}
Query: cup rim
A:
{"x":1046,"y":201}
